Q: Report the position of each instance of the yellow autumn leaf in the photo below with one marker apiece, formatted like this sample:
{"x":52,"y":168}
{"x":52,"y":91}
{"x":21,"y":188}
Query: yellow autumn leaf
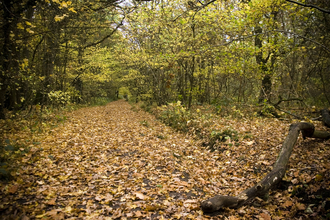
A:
{"x":318,"y":177}
{"x":68,"y":209}
{"x":63,"y":5}
{"x":59,"y":18}
{"x":72,"y":10}
{"x":20,"y":26}
{"x":30,"y":31}
{"x":41,"y":216}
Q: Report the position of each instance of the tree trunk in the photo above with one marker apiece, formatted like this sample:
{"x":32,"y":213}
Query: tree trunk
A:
{"x":326,"y":117}
{"x":270,"y":180}
{"x":5,"y":57}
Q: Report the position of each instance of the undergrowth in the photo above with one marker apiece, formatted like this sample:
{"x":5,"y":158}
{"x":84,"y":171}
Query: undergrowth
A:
{"x":198,"y":123}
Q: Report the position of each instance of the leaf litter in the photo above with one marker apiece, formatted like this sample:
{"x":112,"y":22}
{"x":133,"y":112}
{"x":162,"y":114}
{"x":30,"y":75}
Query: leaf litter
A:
{"x":103,"y":163}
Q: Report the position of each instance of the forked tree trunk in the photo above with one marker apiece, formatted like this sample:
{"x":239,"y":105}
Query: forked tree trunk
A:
{"x":273,"y":178}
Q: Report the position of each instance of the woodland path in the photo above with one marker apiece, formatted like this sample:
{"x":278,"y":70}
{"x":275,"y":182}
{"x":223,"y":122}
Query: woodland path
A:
{"x":110,"y":162}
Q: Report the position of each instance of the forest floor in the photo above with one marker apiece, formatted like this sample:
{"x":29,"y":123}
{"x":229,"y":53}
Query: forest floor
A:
{"x":110,"y":162}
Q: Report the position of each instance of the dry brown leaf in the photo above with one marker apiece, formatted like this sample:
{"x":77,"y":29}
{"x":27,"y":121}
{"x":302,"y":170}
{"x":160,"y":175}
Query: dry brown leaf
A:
{"x":51,"y":202}
{"x":139,"y":195}
{"x":295,"y":181}
{"x":138,"y":214}
{"x":265,"y":216}
{"x":287,"y":203}
{"x":98,"y":198}
{"x":24,"y":217}
{"x":118,"y":213}
{"x":152,"y":207}
{"x":232,"y":217}
{"x":129,"y":215}
{"x":13,"y":189}
{"x":300,"y":206}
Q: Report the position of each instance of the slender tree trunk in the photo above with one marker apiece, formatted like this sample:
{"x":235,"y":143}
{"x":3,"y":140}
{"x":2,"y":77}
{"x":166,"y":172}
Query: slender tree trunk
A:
{"x":5,"y":54}
{"x":266,"y":85}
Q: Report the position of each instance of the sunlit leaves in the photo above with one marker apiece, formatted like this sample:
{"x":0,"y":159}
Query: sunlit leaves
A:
{"x":59,"y":18}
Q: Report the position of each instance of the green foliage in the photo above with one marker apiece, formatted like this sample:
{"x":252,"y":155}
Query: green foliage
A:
{"x":148,"y":107}
{"x":268,"y":110}
{"x":248,"y":136}
{"x":179,"y":117}
{"x":124,"y":93}
{"x":59,"y":98}
{"x":100,"y":101}
{"x":144,"y":123}
{"x":175,"y":115}
{"x":134,"y":108}
{"x":196,"y":123}
{"x":223,"y":136}
{"x":161,"y":136}
{"x":166,"y":52}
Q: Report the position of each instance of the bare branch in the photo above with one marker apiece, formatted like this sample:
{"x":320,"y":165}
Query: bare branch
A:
{"x":252,"y":35}
{"x":106,"y":37}
{"x":310,"y":6}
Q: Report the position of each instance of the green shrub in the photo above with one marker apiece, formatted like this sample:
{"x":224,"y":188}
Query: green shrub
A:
{"x":100,"y":101}
{"x":144,"y":123}
{"x":134,"y":109}
{"x":175,"y":115}
{"x":148,"y":107}
{"x":222,"y":136}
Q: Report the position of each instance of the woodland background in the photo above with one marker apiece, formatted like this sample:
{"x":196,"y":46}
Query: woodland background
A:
{"x":224,"y":53}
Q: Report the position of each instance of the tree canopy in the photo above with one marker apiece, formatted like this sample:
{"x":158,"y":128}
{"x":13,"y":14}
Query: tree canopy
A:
{"x":215,"y":52}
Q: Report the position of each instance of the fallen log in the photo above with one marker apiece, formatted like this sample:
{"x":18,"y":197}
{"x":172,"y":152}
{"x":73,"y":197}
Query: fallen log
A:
{"x":326,"y":117}
{"x":271,"y":180}
{"x":321,"y":135}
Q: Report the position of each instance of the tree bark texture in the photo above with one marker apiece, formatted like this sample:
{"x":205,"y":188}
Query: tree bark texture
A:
{"x":271,"y":179}
{"x":326,"y":117}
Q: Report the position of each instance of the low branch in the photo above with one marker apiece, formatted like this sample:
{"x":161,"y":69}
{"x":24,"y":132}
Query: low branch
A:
{"x":206,"y":4}
{"x":286,"y":100}
{"x":310,"y":6}
{"x":271,"y":179}
{"x":317,"y":119}
{"x":296,"y":116}
{"x":242,"y":38}
{"x":36,"y":48}
{"x":106,"y":37}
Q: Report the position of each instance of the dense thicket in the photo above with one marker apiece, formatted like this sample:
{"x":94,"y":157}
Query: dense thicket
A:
{"x":257,"y":51}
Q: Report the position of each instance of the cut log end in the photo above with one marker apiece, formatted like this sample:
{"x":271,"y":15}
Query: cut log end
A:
{"x":215,"y":203}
